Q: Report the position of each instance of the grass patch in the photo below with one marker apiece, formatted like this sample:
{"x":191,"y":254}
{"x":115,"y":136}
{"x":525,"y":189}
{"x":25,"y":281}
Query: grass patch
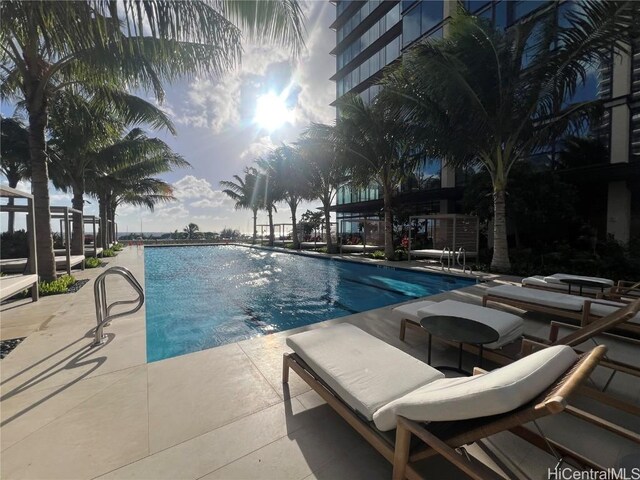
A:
{"x":60,"y":285}
{"x":108,"y":252}
{"x":92,"y":262}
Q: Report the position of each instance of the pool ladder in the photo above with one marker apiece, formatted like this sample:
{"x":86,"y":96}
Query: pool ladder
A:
{"x":454,"y":257}
{"x":103,"y":311}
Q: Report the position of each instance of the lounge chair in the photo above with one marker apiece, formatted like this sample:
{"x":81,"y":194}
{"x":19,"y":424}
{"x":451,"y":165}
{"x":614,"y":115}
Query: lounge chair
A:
{"x":560,"y":304}
{"x":11,"y":285}
{"x":556,"y":283}
{"x":509,"y":327}
{"x":358,"y":376}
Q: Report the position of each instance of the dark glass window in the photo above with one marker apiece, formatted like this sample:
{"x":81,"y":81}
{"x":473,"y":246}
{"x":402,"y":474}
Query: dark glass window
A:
{"x":474,"y":5}
{"x":487,"y":14}
{"x":530,"y":48}
{"x":436,"y":33}
{"x":501,"y":18}
{"x":406,"y":4}
{"x":411,"y":26}
{"x":522,"y":8}
{"x":432,"y":13}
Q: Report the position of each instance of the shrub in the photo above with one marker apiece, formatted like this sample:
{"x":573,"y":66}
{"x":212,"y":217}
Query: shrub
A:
{"x":401,"y":254}
{"x":117,"y":247}
{"x":107,"y":252}
{"x":92,"y":262}
{"x":14,"y":245}
{"x":60,"y":285}
{"x":378,"y":255}
{"x":322,"y":250}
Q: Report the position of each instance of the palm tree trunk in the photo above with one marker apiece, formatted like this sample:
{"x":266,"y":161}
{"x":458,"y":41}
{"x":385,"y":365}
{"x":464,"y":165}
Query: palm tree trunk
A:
{"x":102,"y":234}
{"x":112,"y":213}
{"x":389,"y":251}
{"x":37,"y":108}
{"x":255,"y":225}
{"x":294,"y":223}
{"x":500,"y":261}
{"x":327,"y":224}
{"x":271,"y":229}
{"x":77,"y":238}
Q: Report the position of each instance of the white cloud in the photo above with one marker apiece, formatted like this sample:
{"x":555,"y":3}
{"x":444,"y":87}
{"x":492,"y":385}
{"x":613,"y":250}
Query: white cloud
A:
{"x":258,"y":148}
{"x":220,"y":200}
{"x":192,"y":187}
{"x":173,"y":212}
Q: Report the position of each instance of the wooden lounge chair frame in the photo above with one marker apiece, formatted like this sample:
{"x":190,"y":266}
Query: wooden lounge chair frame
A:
{"x":551,"y":401}
{"x":584,"y":316}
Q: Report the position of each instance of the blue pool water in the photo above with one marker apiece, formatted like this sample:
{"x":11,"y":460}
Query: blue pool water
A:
{"x":202,"y":297}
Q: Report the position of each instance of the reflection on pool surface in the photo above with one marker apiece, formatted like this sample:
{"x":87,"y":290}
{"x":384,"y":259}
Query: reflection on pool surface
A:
{"x":200,"y":297}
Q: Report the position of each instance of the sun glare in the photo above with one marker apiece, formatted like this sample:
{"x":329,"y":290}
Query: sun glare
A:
{"x":272,"y":112}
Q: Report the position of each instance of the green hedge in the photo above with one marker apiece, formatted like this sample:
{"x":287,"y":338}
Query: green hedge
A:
{"x":92,"y":262}
{"x":60,"y":285}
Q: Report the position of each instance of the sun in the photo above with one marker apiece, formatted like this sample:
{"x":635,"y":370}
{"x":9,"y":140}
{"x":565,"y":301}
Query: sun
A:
{"x":272,"y":112}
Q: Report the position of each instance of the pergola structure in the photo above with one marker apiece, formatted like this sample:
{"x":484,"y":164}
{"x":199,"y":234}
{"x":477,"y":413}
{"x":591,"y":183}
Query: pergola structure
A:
{"x":442,"y":233}
{"x":369,"y":235}
{"x":94,"y":221}
{"x":11,"y":285}
{"x":279,"y":232}
{"x":64,"y":215}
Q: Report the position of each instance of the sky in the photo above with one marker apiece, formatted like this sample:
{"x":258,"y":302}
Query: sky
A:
{"x":218,"y":133}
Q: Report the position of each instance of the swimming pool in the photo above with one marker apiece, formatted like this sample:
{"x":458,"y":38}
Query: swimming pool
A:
{"x":200,"y":297}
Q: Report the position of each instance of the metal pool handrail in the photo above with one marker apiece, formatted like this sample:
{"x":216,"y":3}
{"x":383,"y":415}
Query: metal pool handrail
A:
{"x":103,"y":311}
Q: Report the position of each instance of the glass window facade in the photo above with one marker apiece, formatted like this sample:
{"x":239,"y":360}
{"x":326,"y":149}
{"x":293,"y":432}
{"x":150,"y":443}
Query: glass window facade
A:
{"x":426,"y":176}
{"x":372,"y":65}
{"x":346,"y":194}
{"x":378,"y":29}
{"x":357,"y":17}
{"x":421,"y":19}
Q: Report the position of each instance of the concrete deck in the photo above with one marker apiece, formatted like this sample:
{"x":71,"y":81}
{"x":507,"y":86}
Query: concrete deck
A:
{"x":70,"y":411}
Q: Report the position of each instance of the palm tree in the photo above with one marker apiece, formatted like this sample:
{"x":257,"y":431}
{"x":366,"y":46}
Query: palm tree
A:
{"x":14,"y":145}
{"x":191,"y":229}
{"x":324,"y":170}
{"x":124,"y":174}
{"x":492,"y":98}
{"x":47,"y":45}
{"x":245,"y":193}
{"x":269,"y":190}
{"x":293,"y":182}
{"x":377,"y":146}
{"x":80,"y":127}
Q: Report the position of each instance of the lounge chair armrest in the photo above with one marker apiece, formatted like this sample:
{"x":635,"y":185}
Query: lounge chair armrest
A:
{"x":529,"y":346}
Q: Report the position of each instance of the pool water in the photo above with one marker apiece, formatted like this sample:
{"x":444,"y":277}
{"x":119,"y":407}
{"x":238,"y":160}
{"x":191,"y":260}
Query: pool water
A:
{"x":200,"y":297}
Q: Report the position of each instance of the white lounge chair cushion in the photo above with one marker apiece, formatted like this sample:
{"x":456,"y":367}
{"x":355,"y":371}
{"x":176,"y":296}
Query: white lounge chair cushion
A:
{"x":410,"y":310}
{"x":364,"y":371}
{"x":558,"y":277}
{"x":540,"y":281}
{"x":563,"y":301}
{"x":496,"y":392}
{"x":510,"y":327}
{"x":602,"y":308}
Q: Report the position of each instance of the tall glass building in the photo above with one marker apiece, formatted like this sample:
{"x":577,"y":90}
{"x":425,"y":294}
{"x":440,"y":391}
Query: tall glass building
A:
{"x":372,"y":34}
